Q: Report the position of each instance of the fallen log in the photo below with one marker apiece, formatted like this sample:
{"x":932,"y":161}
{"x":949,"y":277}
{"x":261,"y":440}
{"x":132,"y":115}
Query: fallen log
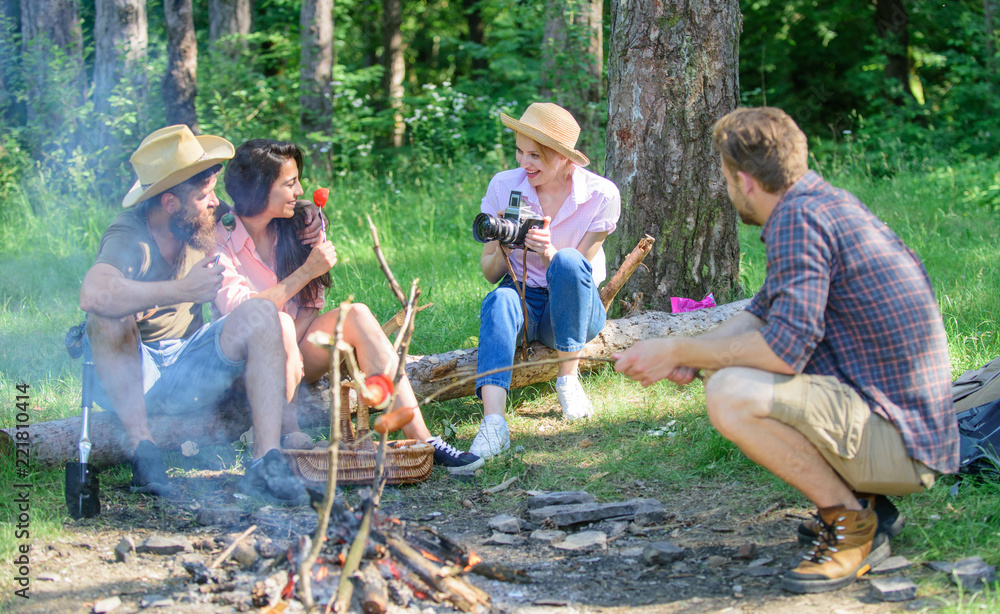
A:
{"x":55,"y":442}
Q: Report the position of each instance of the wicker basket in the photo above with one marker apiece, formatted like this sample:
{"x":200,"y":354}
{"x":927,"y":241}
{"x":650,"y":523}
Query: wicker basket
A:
{"x":407,"y":461}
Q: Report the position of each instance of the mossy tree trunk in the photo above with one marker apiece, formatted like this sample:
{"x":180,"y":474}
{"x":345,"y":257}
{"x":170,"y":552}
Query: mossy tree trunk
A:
{"x":10,"y":31}
{"x":180,"y":83}
{"x":395,"y":66}
{"x":672,"y":72}
{"x":120,"y":42}
{"x":52,"y":61}
{"x":227,"y":18}
{"x":316,"y":67}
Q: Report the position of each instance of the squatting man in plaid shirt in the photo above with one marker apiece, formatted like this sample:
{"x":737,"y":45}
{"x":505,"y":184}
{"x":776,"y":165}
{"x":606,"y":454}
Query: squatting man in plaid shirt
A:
{"x":836,"y":378}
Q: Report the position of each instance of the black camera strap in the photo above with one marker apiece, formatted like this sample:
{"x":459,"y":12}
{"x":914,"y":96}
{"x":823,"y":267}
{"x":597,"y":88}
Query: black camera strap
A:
{"x":520,"y":291}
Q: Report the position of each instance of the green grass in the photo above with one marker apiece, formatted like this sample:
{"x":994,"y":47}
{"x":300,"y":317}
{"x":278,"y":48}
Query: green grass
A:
{"x":650,"y":442}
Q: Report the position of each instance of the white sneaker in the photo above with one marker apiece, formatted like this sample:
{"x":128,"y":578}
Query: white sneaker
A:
{"x":492,"y":439}
{"x":572,"y":398}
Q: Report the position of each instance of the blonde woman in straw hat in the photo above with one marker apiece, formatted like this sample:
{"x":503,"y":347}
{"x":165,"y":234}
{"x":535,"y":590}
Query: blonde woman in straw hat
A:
{"x":145,"y":334}
{"x":563,"y":259}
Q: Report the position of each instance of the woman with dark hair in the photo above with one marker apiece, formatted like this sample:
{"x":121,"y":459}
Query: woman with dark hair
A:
{"x":264,"y":258}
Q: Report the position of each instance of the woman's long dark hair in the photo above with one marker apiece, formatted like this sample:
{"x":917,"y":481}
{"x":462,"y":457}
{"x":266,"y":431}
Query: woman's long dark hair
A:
{"x":249,"y":177}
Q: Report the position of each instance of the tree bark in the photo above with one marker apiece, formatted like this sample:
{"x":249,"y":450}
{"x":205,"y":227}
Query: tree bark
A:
{"x":228,"y":17}
{"x":989,"y":13}
{"x":316,"y":66}
{"x":672,"y":73}
{"x":180,"y":84}
{"x":395,"y":67}
{"x":892,"y":23}
{"x":120,"y":41}
{"x":53,"y":443}
{"x":48,"y":26}
{"x":573,"y":61}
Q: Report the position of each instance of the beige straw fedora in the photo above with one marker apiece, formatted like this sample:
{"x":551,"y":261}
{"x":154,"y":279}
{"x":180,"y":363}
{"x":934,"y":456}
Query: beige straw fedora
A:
{"x":171,"y":156}
{"x":548,"y":124}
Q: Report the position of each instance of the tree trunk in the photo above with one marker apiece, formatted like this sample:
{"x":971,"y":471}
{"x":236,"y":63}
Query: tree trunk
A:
{"x":180,"y":83}
{"x":989,"y":12}
{"x":54,"y":86}
{"x":55,"y":442}
{"x":892,"y":21}
{"x":672,"y":73}
{"x":120,"y":41}
{"x":230,"y":18}
{"x":315,"y":87}
{"x":477,"y":34}
{"x":395,"y":68}
{"x":573,"y":60}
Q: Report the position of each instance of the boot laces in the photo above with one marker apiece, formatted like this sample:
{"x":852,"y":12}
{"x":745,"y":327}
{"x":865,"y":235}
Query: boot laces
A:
{"x":829,"y":539}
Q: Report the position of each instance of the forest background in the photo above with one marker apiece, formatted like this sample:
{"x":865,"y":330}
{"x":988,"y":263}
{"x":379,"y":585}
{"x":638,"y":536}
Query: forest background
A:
{"x":397,"y":104}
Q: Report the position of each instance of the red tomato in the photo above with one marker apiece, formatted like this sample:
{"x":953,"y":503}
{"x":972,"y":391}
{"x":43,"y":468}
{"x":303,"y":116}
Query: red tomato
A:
{"x":320,"y":196}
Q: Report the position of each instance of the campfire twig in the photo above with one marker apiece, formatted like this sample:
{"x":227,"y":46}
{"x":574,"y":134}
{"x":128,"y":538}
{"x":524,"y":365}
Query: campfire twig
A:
{"x":546,"y":361}
{"x":225,"y":553}
{"x":353,"y":560}
{"x":393,"y":285}
{"x":305,"y":570}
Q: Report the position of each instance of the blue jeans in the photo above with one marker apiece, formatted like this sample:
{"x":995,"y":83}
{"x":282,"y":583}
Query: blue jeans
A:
{"x":180,"y":375}
{"x":577,"y":318}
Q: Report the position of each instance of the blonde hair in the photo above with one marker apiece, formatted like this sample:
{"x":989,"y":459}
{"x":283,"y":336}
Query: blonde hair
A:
{"x":764,"y":142}
{"x":548,"y":155}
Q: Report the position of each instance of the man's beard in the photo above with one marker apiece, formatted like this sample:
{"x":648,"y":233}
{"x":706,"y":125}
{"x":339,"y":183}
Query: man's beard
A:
{"x":197,"y":231}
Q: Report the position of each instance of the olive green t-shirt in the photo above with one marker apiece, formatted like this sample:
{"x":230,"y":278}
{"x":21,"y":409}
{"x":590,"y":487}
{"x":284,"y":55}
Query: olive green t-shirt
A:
{"x":128,"y":246}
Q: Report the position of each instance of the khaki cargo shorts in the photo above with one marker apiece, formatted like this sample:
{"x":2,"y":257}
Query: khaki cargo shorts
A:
{"x":862,"y":447}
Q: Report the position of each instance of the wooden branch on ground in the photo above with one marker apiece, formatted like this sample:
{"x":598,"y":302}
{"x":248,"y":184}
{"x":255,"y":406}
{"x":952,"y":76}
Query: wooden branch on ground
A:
{"x":55,"y":442}
{"x":633,"y":260}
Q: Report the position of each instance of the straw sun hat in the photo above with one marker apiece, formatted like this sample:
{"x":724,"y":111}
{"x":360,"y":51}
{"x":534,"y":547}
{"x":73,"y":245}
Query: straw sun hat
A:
{"x":171,"y":156}
{"x":549,"y":124}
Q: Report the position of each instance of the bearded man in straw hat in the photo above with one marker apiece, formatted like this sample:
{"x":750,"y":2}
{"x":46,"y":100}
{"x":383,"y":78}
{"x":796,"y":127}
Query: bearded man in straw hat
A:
{"x":836,"y":378}
{"x":154,"y":270}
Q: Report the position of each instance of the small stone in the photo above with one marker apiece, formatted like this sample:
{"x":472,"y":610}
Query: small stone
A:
{"x":716,"y":561}
{"x":661,"y":553}
{"x":746,"y":551}
{"x":582,"y":541}
{"x":155,"y":601}
{"x":158,"y":544}
{"x":505,"y":539}
{"x":567,"y":497}
{"x":548,"y":535}
{"x":942,"y":566}
{"x":738,"y":590}
{"x":467,"y":504}
{"x":106,"y":605}
{"x":892,"y":564}
{"x":505,"y":523}
{"x":219,"y":515}
{"x":633,"y":552}
{"x":125,"y":550}
{"x":764,"y":560}
{"x":269,"y":549}
{"x":761,"y":572}
{"x":244,"y":554}
{"x":973,"y":573}
{"x":613,"y":528}
{"x":189,"y":448}
{"x":893,"y":589}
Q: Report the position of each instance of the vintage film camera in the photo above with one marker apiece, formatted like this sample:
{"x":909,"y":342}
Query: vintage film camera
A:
{"x":511,"y":229}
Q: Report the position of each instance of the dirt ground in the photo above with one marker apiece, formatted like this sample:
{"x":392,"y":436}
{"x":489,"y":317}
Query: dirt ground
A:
{"x":80,"y":569}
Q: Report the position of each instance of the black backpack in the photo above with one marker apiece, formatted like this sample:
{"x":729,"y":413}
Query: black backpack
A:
{"x":979,"y":435}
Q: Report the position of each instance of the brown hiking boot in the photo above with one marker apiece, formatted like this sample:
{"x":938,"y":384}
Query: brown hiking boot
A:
{"x":841,"y":554}
{"x":890,"y":521}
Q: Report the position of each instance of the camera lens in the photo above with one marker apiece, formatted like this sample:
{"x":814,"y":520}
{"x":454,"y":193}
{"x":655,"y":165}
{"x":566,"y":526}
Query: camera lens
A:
{"x":486,"y":228}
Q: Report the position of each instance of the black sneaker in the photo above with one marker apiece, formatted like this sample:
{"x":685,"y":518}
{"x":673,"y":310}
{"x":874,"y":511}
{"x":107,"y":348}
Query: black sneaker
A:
{"x":455,"y":460}
{"x":270,"y":479}
{"x":890,"y":521}
{"x":149,"y":474}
